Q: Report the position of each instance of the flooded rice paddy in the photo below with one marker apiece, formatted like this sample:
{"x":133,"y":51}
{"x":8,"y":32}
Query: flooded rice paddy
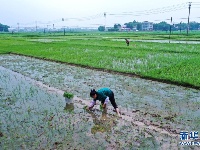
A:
{"x":162,"y":41}
{"x":34,"y":114}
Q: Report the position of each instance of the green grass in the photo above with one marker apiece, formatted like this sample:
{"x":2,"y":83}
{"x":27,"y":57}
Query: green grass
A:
{"x":174,"y":63}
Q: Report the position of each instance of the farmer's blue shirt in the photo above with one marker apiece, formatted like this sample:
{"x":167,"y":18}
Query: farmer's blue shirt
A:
{"x":103,"y":93}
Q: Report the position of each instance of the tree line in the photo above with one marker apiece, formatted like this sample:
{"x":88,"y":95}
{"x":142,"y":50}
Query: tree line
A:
{"x":162,"y":26}
{"x":3,"y":28}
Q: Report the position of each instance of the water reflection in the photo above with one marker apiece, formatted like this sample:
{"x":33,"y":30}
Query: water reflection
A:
{"x":102,"y":124}
{"x":69,"y":107}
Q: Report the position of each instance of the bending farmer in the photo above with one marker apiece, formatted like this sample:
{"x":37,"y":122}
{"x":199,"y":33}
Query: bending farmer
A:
{"x":104,"y":95}
{"x":127,"y":42}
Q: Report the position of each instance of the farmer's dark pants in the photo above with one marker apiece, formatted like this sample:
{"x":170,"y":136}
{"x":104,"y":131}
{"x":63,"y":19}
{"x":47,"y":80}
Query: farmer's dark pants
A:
{"x":112,"y":100}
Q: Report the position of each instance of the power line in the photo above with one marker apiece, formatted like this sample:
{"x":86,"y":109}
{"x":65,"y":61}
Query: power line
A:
{"x":85,"y":18}
{"x":195,"y":2}
{"x":153,"y":11}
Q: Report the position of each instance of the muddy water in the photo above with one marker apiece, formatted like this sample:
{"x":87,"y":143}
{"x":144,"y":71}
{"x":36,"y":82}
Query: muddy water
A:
{"x":162,"y":41}
{"x":146,"y":105}
{"x":35,"y":116}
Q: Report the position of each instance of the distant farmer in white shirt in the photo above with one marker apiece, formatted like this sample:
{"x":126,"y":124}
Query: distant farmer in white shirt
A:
{"x":104,"y":95}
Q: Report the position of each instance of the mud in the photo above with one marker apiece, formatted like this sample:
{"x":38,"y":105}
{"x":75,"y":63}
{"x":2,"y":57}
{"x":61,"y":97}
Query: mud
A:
{"x":153,"y":113}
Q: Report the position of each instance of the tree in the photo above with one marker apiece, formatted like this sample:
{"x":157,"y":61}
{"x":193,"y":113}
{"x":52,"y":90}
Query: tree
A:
{"x":134,"y":25}
{"x":101,"y":28}
{"x":139,"y":26}
{"x":129,"y":25}
{"x":117,"y":26}
{"x":194,"y":25}
{"x":3,"y":28}
{"x":163,"y":26}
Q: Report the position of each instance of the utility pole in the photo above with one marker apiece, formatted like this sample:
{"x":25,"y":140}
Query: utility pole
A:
{"x":189,"y":18}
{"x":180,"y":26}
{"x":105,"y":20}
{"x":48,"y":28}
{"x":18,"y":27}
{"x":63,"y":26}
{"x":36,"y":26}
{"x":64,"y":30}
{"x":170,"y":29}
{"x":53,"y":29}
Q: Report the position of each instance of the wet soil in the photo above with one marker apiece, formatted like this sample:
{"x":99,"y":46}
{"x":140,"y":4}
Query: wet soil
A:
{"x":153,"y":113}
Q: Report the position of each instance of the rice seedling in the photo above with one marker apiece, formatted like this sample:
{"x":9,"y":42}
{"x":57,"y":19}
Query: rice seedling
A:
{"x":34,"y":107}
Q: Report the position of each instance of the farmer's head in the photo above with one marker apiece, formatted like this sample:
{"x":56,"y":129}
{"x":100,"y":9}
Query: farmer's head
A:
{"x":93,"y":93}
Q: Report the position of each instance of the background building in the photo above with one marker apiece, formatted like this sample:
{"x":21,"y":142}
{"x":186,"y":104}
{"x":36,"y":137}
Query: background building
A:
{"x":147,"y":26}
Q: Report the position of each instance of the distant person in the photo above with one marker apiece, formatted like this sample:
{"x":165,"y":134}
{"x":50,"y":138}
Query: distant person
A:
{"x":104,"y":95}
{"x":127,"y":42}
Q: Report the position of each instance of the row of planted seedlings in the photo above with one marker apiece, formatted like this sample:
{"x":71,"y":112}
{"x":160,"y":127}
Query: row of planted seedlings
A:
{"x":173,"y":62}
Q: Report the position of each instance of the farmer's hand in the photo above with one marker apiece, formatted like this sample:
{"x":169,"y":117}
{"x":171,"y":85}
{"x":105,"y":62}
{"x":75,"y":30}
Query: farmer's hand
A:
{"x":88,"y":108}
{"x":104,"y":105}
{"x":119,"y":115}
{"x":118,"y":112}
{"x":92,"y":103}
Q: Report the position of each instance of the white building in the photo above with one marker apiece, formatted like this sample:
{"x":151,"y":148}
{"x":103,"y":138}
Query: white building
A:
{"x":147,"y":26}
